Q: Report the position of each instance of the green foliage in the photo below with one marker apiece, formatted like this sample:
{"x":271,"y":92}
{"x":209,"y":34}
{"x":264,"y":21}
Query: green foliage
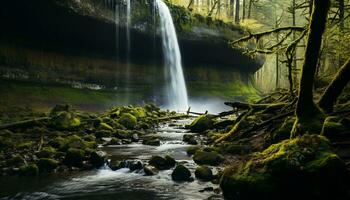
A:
{"x":128,"y":120}
{"x":305,"y":161}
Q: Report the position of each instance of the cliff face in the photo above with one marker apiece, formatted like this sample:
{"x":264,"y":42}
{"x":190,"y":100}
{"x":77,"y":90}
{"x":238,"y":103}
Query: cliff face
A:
{"x":73,"y":36}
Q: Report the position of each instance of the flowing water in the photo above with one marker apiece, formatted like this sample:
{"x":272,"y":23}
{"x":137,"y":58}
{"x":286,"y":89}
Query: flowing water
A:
{"x":176,"y":90}
{"x":122,"y":184}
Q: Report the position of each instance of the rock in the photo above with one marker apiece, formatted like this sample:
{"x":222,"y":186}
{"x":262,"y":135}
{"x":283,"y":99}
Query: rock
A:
{"x":234,"y":149}
{"x":190,"y":139}
{"x":47,"y":165}
{"x":98,"y":158}
{"x":207,"y":158}
{"x":207,"y":189}
{"x":162,"y":163}
{"x":128,"y":120}
{"x":105,"y":126}
{"x":181,"y":173}
{"x":148,"y":171}
{"x":192,"y":149}
{"x":29,"y":170}
{"x":114,"y":141}
{"x":202,"y":123}
{"x":152,"y":141}
{"x":304,"y":167}
{"x":16,"y":161}
{"x":64,"y":120}
{"x":169,"y":161}
{"x":103,"y":133}
{"x":60,"y":108}
{"x":135,"y":165}
{"x":204,"y":173}
{"x":57,"y":142}
{"x":74,"y":157}
{"x":333,"y":129}
{"x":135,"y":137}
{"x":46,"y":152}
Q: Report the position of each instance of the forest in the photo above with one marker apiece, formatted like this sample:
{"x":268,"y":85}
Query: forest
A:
{"x":175,"y":99}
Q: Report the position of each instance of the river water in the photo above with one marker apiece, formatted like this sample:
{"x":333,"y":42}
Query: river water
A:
{"x":106,"y":184}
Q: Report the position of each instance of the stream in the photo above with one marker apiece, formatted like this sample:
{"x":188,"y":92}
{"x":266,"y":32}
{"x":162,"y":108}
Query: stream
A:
{"x":121,"y":184}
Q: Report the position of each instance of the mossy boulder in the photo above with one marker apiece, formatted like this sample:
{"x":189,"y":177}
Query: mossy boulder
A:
{"x":202,"y":157}
{"x":151,"y":140}
{"x":192,"y":149}
{"x":128,"y":120}
{"x":105,"y":126}
{"x":98,"y":158}
{"x":57,"y":142}
{"x":29,"y":170}
{"x":190,"y":139}
{"x":202,"y":123}
{"x":304,"y":167}
{"x":204,"y":173}
{"x":16,"y":161}
{"x":47,"y":152}
{"x":47,"y":165}
{"x":65,"y":121}
{"x":74,"y":157}
{"x":234,"y":149}
{"x":181,"y":173}
{"x":162,"y":163}
{"x":333,"y":129}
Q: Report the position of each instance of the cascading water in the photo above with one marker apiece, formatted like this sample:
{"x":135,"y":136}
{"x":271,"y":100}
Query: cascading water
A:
{"x":177,"y":92}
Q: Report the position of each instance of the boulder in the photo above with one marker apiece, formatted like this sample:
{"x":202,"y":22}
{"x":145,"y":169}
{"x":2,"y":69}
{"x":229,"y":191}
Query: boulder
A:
{"x":162,"y":163}
{"x":190,"y":139}
{"x":148,"y":171}
{"x":207,"y":158}
{"x":302,"y":168}
{"x":29,"y":170}
{"x":128,"y":120}
{"x":181,"y":173}
{"x":46,"y":152}
{"x":202,"y":123}
{"x":152,"y":141}
{"x":64,"y":120}
{"x":204,"y":173}
{"x":333,"y":129}
{"x":98,"y":158}
{"x":192,"y":149}
{"x":74,"y":157}
{"x":47,"y":165}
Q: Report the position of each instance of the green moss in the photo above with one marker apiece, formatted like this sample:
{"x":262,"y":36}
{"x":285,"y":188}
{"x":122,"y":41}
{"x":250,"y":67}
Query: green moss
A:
{"x":332,"y":128}
{"x":192,"y":149}
{"x":29,"y":170}
{"x":65,"y":121}
{"x":58,"y":142}
{"x":47,"y":152}
{"x":202,"y":123}
{"x":74,"y":157}
{"x":207,"y":158}
{"x":105,"y":126}
{"x":128,"y":120}
{"x":306,"y":162}
{"x":47,"y":165}
{"x":282,"y":133}
{"x":204,"y":173}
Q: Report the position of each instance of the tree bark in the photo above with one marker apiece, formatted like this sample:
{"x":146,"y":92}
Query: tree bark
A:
{"x":305,"y":105}
{"x":237,"y":11}
{"x":335,"y":88}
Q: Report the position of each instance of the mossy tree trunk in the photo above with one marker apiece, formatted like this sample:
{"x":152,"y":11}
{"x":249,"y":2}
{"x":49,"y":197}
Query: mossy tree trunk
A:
{"x":307,"y":112}
{"x":335,"y":88}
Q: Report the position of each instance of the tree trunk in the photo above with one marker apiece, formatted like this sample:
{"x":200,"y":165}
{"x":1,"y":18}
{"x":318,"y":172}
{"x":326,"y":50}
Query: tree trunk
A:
{"x":341,"y":14}
{"x":243,"y":7}
{"x":237,"y":11}
{"x":309,"y":117}
{"x":250,"y":8}
{"x":335,"y":88}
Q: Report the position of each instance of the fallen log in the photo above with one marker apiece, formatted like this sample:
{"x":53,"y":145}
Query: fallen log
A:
{"x":255,"y":107}
{"x":29,"y":122}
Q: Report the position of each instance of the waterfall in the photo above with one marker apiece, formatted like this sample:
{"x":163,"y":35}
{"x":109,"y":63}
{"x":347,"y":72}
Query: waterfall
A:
{"x":177,"y":92}
{"x":128,"y":25}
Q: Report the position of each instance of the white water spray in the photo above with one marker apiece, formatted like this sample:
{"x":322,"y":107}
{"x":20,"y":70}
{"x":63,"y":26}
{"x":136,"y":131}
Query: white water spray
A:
{"x":177,"y":92}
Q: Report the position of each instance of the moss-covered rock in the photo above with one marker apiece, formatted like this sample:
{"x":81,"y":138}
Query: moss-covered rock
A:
{"x":65,"y":121}
{"x":98,"y":158}
{"x":74,"y":157}
{"x":181,"y":173}
{"x":333,"y":128}
{"x":150,"y":140}
{"x":47,"y":152}
{"x":192,"y":149}
{"x":207,"y":158}
{"x":105,"y":126}
{"x":162,"y":163}
{"x":190,"y":139}
{"x":202,"y":123}
{"x":204,"y":173}
{"x":29,"y":170}
{"x":57,"y":142}
{"x":47,"y":165}
{"x":128,"y":120}
{"x":16,"y":161}
{"x":304,"y":167}
{"x":235,"y":149}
